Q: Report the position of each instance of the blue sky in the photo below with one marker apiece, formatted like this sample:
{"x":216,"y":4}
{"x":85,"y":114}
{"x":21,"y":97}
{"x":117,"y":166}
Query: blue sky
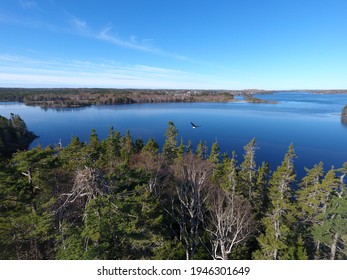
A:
{"x":201,"y":44}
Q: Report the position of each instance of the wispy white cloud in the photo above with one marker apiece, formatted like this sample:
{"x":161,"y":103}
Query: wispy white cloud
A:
{"x":78,"y":26}
{"x":27,"y":4}
{"x":77,"y":22}
{"x":61,"y":21}
{"x":105,"y":35}
{"x":144,"y":45}
{"x":32,"y":72}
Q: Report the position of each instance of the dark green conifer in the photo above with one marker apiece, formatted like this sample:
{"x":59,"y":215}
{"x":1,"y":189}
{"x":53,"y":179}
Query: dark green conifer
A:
{"x":170,"y":145}
{"x":201,"y":150}
{"x":215,"y":153}
{"x":273,"y":241}
{"x":151,"y":146}
{"x":248,"y":172}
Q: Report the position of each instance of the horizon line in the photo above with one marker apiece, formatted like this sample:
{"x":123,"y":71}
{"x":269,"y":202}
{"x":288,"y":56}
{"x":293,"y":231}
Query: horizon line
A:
{"x":140,"y":88}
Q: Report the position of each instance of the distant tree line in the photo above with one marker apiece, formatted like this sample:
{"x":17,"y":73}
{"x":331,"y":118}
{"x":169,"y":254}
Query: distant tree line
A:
{"x":123,"y":198}
{"x":79,"y":97}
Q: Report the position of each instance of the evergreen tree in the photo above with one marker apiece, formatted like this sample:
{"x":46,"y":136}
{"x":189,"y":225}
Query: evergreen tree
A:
{"x":151,"y":147}
{"x":248,"y":172}
{"x":329,"y":223}
{"x":230,"y":175}
{"x":215,"y":153}
{"x":139,"y":144}
{"x":111,"y":151}
{"x":170,"y":145}
{"x":93,"y":148}
{"x":180,"y":150}
{"x":331,"y":232}
{"x":127,"y":147}
{"x":112,"y":145}
{"x":189,"y":147}
{"x":201,"y":150}
{"x":32,"y":232}
{"x":261,"y":198}
{"x":74,"y":155}
{"x":274,"y":241}
{"x":311,"y":200}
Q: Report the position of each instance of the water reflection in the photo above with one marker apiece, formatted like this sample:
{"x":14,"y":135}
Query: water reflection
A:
{"x":63,"y":109}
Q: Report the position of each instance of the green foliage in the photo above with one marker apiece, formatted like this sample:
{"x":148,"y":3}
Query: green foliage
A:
{"x":151,"y":146}
{"x":261,"y":196}
{"x":120,"y":198}
{"x":127,"y":146}
{"x":248,"y":172}
{"x":331,"y":229}
{"x":229,"y":175}
{"x":215,"y":153}
{"x":277,"y":222}
{"x":170,"y":145}
{"x":14,"y":135}
{"x":201,"y":150}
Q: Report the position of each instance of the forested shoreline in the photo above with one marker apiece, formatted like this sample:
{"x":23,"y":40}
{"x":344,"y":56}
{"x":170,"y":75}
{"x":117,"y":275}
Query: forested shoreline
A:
{"x":81,"y":97}
{"x":121,"y":198}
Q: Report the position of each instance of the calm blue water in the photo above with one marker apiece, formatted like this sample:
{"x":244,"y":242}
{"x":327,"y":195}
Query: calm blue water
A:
{"x":311,"y":122}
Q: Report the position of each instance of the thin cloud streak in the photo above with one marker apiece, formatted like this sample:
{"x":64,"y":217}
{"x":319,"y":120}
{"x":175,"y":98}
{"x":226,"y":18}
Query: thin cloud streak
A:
{"x":77,"y":22}
{"x":27,"y":4}
{"x":30,"y":72}
{"x":105,"y":35}
{"x":78,"y":26}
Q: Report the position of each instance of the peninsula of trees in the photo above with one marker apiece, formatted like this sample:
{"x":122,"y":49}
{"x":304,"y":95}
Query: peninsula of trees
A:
{"x":121,"y":198}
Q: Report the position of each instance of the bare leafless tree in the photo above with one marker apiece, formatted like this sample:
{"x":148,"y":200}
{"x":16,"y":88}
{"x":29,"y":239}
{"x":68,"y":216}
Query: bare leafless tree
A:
{"x":88,"y":184}
{"x":191,"y":180}
{"x":230,"y":223}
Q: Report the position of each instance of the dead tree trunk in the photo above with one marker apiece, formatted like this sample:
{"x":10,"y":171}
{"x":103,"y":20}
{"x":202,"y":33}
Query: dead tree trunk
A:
{"x":191,"y":179}
{"x":231,"y":222}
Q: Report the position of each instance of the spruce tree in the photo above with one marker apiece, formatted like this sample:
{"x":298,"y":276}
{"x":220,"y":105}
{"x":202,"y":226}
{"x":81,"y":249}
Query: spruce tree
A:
{"x":261,"y":197}
{"x":170,"y":145}
{"x":201,"y":150}
{"x":274,"y":241}
{"x":248,"y":172}
{"x":215,"y":153}
{"x":127,"y":147}
{"x":329,"y":224}
{"x":151,"y":147}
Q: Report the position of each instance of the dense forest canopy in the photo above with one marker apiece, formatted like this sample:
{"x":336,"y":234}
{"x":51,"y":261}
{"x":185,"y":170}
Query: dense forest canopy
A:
{"x":122,"y":198}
